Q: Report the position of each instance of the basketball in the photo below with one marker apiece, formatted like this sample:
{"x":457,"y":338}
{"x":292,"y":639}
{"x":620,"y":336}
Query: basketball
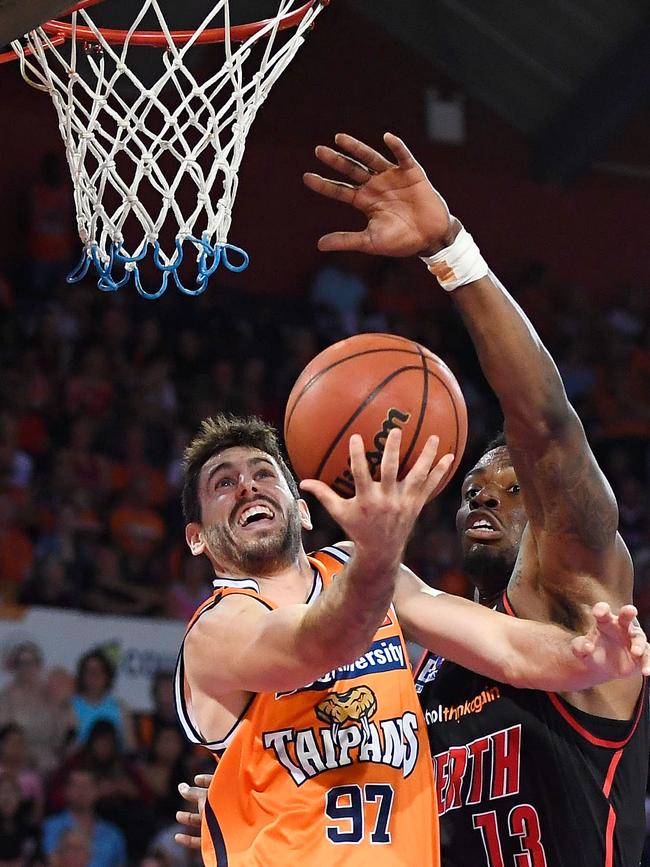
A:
{"x":369,"y":384}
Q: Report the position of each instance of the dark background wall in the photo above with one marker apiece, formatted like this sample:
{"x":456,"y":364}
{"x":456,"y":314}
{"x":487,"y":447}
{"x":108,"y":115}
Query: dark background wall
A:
{"x":351,"y":76}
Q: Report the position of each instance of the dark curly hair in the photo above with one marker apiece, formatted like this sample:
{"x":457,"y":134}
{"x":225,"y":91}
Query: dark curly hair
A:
{"x":224,"y":432}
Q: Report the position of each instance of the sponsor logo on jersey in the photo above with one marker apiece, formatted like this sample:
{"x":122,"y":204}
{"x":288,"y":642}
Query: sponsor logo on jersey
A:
{"x":455,"y":712}
{"x":428,"y":672}
{"x":350,"y":735}
{"x":384,"y":654}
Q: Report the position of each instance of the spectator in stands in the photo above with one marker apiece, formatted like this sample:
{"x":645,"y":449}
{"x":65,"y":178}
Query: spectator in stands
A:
{"x":136,"y":527}
{"x":15,"y":762}
{"x":165,"y":769}
{"x":74,"y":849}
{"x":19,"y":835}
{"x":91,"y":392}
{"x":93,"y":700}
{"x":337,"y":288}
{"x":27,"y":701}
{"x":16,"y":466}
{"x":50,"y":224}
{"x":107,"y":841}
{"x":111,"y":592}
{"x":49,"y":585}
{"x":123,"y":796}
{"x":156,"y":859}
{"x":191,"y":589}
{"x":16,"y":551}
{"x":163,"y":714}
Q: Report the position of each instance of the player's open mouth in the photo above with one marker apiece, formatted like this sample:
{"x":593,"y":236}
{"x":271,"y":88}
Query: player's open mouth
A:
{"x":482,"y":527}
{"x":254,"y":514}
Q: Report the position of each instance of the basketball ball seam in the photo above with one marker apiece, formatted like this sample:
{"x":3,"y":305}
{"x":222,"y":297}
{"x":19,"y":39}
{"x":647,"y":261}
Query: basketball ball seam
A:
{"x":423,"y":407}
{"x":334,"y":364}
{"x":368,"y":400}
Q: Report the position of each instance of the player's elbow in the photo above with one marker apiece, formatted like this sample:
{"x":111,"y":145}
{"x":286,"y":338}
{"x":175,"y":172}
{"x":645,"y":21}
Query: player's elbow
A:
{"x":515,"y":669}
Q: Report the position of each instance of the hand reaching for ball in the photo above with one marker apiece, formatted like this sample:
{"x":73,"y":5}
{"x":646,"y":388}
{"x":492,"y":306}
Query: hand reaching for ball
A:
{"x":382,"y":513}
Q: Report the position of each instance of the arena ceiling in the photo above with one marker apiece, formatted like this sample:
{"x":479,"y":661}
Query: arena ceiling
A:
{"x":567,"y":73}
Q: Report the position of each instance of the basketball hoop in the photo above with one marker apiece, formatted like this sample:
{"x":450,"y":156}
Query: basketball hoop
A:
{"x":133,"y":158}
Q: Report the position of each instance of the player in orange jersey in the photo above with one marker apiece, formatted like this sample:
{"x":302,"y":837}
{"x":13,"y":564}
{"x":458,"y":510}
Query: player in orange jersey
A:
{"x":300,"y":684}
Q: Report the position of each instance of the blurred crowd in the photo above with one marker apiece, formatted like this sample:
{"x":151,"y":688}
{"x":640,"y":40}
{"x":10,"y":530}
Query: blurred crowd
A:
{"x":84,"y":782}
{"x":99,"y":396}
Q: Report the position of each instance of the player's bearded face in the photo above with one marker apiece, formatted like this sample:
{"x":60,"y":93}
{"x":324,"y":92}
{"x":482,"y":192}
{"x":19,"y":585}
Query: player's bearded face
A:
{"x":259,"y":553}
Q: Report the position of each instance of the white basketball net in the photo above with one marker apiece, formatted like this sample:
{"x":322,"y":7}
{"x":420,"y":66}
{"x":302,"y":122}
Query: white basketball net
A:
{"x":122,"y":137}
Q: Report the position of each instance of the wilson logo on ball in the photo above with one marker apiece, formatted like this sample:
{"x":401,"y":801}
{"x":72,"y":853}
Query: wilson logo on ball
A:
{"x":344,"y":484}
{"x":354,"y":386}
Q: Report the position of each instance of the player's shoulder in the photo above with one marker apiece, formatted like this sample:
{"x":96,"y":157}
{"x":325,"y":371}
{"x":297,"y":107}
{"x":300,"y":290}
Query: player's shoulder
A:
{"x":225,"y":608}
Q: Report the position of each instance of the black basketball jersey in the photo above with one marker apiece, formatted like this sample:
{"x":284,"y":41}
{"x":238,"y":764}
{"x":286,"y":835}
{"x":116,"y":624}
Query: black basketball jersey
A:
{"x":523,"y":779}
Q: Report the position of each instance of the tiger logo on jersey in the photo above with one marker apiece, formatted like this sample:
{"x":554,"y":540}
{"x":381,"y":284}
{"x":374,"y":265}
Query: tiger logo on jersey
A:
{"x":357,"y":705}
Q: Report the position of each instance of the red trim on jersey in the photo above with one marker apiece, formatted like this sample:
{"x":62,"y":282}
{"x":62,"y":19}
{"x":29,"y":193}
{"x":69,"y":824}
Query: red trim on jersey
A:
{"x":609,"y":837}
{"x":611,"y":817}
{"x":609,"y":779}
{"x":572,"y":721}
{"x":506,"y":604}
{"x":583,"y":732}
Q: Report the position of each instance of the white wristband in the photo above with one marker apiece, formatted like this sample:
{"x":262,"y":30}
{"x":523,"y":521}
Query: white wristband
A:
{"x":458,"y":264}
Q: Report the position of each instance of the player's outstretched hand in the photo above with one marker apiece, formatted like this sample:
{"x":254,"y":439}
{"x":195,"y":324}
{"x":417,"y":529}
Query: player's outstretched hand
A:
{"x":382,"y":513}
{"x":615,"y":646}
{"x":196,"y":794}
{"x":406,"y":215}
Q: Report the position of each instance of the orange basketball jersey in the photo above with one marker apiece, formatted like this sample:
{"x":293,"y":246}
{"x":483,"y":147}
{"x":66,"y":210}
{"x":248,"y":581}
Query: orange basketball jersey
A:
{"x":334,"y":773}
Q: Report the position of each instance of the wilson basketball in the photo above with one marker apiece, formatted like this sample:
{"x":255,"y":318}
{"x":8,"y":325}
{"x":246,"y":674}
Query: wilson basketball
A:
{"x":369,"y":384}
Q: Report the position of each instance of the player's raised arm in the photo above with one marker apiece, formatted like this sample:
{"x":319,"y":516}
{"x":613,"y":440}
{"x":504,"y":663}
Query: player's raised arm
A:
{"x":257,"y":649}
{"x":524,"y":653}
{"x":575,"y":532}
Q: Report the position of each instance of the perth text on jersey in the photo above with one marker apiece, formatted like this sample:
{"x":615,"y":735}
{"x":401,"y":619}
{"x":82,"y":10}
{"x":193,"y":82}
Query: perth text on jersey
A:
{"x":483,"y":770}
{"x":350,"y":735}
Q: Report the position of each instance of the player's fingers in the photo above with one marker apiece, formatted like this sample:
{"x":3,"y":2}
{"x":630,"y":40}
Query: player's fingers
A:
{"x":638,"y":641}
{"x":184,"y":817}
{"x":359,"y":464}
{"x":644,"y":662}
{"x":336,"y":190}
{"x":582,"y":646}
{"x":438,"y":473}
{"x":399,"y":150}
{"x":603,"y":613}
{"x":346,"y":166}
{"x":191,"y":793}
{"x":627,"y":615}
{"x":203,"y":780}
{"x":347,"y":241}
{"x":390,"y":457}
{"x":188,"y":841}
{"x":422,"y":466}
{"x":366,"y":155}
{"x":323,"y":493}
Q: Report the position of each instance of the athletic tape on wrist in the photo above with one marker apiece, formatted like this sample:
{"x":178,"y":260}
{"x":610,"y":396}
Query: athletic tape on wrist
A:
{"x":458,"y":264}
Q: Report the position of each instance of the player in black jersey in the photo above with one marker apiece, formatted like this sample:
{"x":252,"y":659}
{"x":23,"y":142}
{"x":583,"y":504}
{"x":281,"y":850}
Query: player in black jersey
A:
{"x":524,"y":778}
